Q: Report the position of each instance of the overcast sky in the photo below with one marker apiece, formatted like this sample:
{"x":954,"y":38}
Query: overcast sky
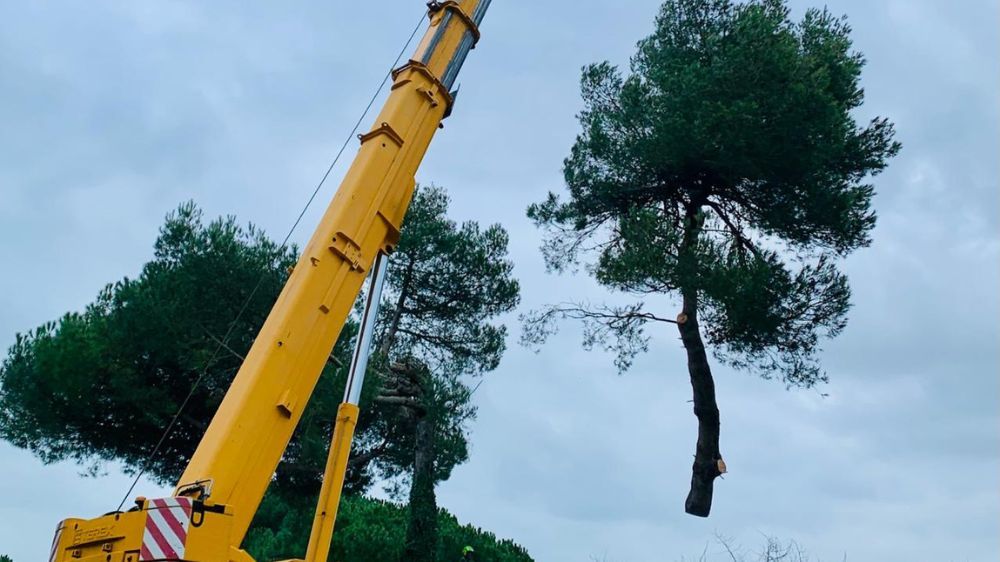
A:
{"x":112,"y":113}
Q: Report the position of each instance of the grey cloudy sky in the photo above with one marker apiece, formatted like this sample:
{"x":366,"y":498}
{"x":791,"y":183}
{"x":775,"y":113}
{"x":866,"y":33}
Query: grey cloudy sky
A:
{"x":112,"y":113}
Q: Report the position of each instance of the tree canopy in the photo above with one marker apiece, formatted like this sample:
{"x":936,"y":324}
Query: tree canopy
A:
{"x":726,"y":167}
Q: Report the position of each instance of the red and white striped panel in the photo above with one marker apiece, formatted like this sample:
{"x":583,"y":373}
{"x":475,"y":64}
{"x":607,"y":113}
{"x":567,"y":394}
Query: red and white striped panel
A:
{"x":166,"y":529}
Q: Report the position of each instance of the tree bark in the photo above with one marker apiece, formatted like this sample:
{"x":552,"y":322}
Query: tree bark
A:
{"x":707,"y":458}
{"x":397,"y":314}
{"x":422,"y":527}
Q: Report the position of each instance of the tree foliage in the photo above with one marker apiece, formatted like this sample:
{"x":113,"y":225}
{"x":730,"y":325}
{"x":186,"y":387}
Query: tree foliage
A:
{"x":447,"y":283}
{"x":725,"y":168}
{"x":367,"y":529}
{"x":102,"y":384}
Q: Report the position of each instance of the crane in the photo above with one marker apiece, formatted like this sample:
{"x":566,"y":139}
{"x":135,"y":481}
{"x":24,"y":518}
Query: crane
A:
{"x":209,"y":512}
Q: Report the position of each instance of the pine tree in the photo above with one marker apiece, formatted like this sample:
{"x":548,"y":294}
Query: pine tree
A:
{"x":725,"y":169}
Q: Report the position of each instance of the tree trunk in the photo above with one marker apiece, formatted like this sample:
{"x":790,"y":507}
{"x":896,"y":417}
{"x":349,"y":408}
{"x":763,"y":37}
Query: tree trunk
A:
{"x":707,"y":458}
{"x":397,"y":314}
{"x":422,"y":528}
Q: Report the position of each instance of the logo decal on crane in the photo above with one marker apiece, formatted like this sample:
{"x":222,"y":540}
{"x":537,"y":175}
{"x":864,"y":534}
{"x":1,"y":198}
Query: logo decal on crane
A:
{"x":166,"y":532}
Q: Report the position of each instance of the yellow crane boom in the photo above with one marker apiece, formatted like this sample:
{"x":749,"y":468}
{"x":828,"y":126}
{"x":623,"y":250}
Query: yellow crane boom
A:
{"x":224,"y":482}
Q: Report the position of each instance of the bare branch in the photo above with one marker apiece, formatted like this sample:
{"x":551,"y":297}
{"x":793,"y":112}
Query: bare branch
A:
{"x":735,"y":231}
{"x":223,"y":345}
{"x":578,"y":311}
{"x":726,"y":544}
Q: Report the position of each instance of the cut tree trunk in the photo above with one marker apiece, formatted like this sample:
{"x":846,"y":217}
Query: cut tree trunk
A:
{"x":707,"y":458}
{"x":422,"y":528}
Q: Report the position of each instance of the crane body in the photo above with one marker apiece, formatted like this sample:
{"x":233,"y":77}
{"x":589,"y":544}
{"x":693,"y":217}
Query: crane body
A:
{"x":209,"y":513}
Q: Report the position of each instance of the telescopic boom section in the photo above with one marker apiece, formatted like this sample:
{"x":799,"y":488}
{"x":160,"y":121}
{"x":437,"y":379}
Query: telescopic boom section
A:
{"x":240,"y":451}
{"x":222,"y":486}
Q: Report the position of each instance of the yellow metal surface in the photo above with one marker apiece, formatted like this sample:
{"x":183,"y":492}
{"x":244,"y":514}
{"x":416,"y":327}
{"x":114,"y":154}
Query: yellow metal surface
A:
{"x":118,"y":536}
{"x":210,"y":539}
{"x":333,"y":483}
{"x":237,"y":457}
